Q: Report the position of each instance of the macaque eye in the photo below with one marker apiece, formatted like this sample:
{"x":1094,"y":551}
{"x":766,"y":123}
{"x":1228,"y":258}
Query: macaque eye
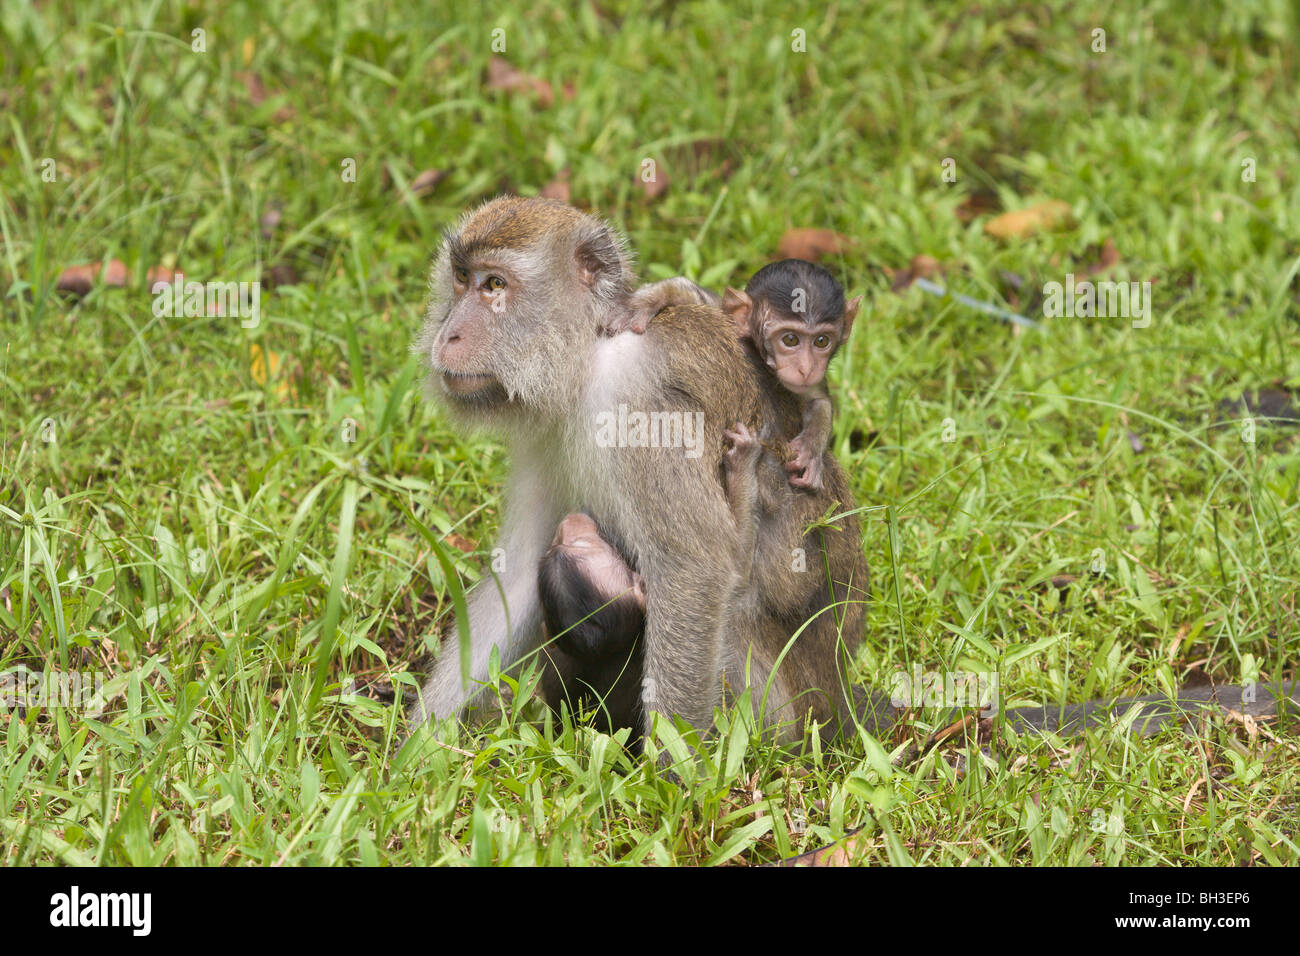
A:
{"x":495,"y":283}
{"x":822,"y":341}
{"x":461,"y":275}
{"x":789,"y":340}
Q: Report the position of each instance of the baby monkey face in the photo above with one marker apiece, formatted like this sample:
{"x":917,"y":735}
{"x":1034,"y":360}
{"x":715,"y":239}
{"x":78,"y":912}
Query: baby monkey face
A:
{"x":799,"y":351}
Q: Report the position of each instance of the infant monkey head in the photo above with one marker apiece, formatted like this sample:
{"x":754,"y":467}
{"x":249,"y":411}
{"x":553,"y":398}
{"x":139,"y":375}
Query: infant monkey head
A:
{"x":795,"y":314}
{"x":589,"y":595}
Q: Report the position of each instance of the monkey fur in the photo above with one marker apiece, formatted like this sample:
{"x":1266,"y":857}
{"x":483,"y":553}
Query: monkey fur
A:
{"x":522,"y":293}
{"x":794,"y":313}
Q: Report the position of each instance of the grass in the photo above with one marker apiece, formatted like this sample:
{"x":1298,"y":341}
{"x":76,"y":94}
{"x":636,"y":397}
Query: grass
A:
{"x":200,"y":532}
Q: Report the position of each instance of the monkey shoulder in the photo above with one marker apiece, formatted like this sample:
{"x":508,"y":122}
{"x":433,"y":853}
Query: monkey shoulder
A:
{"x":697,"y":348}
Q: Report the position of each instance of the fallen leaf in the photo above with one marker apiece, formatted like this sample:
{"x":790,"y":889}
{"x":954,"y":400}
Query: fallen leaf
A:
{"x":1021,"y":223}
{"x":656,"y":185}
{"x":258,"y":362}
{"x":115,"y":274}
{"x":837,"y":855}
{"x":254,"y":86}
{"x":427,"y":181}
{"x":264,"y":365}
{"x":270,"y":219}
{"x":557,"y":188}
{"x":281,"y":273}
{"x":502,"y":75}
{"x":1107,"y":258}
{"x":812,"y":244}
{"x":158,"y":274}
{"x":921,"y":267}
{"x":461,"y":543}
{"x":79,"y":280}
{"x":976,"y":205}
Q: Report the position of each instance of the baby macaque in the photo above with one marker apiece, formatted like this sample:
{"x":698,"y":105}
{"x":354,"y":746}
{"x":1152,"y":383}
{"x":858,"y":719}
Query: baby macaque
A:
{"x":593,"y":606}
{"x":794,"y":314}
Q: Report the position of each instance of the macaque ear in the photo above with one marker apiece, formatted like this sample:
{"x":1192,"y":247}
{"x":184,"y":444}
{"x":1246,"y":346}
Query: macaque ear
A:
{"x":599,"y":260}
{"x":850,"y":313}
{"x":638,"y":590}
{"x":740,"y":307}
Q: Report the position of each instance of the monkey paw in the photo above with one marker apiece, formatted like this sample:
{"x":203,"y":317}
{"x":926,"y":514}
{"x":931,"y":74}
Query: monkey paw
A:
{"x":744,"y":446}
{"x":643,"y":305}
{"x":633,"y":321}
{"x":805,"y":468}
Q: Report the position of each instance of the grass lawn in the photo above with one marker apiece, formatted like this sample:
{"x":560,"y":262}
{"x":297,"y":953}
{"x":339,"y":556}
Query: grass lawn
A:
{"x":252,"y":531}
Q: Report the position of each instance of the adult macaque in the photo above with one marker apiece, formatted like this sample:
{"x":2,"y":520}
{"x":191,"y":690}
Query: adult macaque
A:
{"x":793,"y":312}
{"x":522,"y":291}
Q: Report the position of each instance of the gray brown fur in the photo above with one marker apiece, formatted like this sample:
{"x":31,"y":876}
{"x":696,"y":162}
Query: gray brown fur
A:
{"x":552,"y":369}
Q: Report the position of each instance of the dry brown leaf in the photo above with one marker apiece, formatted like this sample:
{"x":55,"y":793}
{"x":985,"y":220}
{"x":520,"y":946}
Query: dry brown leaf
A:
{"x":427,"y":181}
{"x":812,"y":244}
{"x":1107,"y":258}
{"x":557,"y":188}
{"x":1021,"y":223}
{"x":921,"y":266}
{"x":657,"y":185}
{"x":270,"y":220}
{"x":838,"y":855}
{"x":502,"y":75}
{"x":158,"y":274}
{"x":79,"y":280}
{"x":254,"y":86}
{"x":460,"y":542}
{"x":976,"y":205}
{"x":115,"y":274}
{"x":281,"y":273}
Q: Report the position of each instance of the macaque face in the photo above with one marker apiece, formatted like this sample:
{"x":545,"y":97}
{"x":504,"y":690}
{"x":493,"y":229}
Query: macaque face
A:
{"x":480,"y":298}
{"x":799,"y":353}
{"x":515,"y":294}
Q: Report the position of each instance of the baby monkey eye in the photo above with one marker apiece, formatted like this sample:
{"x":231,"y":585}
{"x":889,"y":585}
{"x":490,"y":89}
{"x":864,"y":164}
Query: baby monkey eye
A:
{"x":495,"y":283}
{"x":822,"y":341}
{"x":461,"y":275}
{"x":789,"y":340}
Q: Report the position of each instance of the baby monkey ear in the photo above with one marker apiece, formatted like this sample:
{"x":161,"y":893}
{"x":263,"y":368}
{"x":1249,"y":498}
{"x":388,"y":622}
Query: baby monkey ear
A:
{"x":850,"y":313}
{"x":740,"y":307}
